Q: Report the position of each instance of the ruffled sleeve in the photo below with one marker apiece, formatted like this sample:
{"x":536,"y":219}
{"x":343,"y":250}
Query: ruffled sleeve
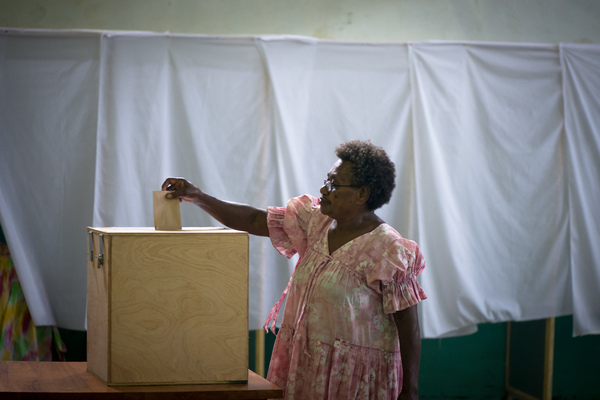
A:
{"x":396,"y":275}
{"x":288,"y":226}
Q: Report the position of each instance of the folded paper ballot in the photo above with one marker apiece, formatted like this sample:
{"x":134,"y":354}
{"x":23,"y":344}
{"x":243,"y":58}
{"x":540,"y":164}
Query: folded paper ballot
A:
{"x":167,"y":216}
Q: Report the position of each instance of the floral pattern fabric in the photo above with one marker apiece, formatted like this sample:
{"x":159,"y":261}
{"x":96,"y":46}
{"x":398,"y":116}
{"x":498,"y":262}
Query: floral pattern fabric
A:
{"x":338,"y":339}
{"x":21,"y":339}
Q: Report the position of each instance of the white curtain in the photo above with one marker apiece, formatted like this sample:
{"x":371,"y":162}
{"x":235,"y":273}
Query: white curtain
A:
{"x":493,"y":143}
{"x":581,"y":83}
{"x":48,"y":111}
{"x":491,"y":192}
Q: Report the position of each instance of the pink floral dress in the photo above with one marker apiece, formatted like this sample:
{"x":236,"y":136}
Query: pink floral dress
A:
{"x":338,"y":339}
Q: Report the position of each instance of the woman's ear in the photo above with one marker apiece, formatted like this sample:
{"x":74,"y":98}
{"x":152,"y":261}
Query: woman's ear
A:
{"x":363,"y":194}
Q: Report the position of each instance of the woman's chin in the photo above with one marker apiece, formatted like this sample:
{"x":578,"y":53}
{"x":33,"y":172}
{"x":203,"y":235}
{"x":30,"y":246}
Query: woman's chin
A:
{"x":324,"y":209}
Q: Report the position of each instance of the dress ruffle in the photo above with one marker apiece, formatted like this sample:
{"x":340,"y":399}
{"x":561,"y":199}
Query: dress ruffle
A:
{"x":398,"y":296}
{"x":288,"y":226}
{"x":280,"y":239}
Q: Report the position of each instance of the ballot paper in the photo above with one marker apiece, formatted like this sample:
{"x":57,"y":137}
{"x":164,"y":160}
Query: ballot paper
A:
{"x":167,"y":216}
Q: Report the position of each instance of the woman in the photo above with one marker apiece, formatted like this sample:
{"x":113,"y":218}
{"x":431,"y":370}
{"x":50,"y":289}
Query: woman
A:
{"x":350,"y":326}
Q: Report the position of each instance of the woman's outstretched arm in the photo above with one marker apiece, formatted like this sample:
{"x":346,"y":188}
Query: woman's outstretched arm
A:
{"x":233,"y":215}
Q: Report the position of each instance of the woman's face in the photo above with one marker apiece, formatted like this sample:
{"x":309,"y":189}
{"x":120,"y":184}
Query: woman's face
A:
{"x":341,"y":199}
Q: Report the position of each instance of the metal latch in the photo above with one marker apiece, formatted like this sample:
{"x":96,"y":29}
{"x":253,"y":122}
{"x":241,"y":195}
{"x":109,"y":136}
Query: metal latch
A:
{"x":100,"y":250}
{"x":100,"y":255}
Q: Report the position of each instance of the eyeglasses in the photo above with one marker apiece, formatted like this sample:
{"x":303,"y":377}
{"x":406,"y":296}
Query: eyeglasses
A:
{"x":330,"y":187}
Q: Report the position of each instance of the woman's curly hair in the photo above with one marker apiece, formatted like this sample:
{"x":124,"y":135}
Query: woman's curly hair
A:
{"x":371,"y":167}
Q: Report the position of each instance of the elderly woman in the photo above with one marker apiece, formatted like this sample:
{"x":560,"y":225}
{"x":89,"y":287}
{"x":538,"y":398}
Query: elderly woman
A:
{"x":350,"y":327}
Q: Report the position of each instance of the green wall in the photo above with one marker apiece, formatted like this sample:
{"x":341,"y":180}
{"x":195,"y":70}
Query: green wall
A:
{"x":576,"y":363}
{"x":465,"y":367}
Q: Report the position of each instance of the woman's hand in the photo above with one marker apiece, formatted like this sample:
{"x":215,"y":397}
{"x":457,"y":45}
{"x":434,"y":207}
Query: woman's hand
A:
{"x":182,"y":189}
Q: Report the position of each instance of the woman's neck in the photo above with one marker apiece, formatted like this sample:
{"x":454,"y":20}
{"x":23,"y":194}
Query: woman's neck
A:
{"x":357,"y":223}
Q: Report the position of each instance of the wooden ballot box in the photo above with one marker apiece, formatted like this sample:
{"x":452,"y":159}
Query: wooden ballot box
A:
{"x":167,"y":307}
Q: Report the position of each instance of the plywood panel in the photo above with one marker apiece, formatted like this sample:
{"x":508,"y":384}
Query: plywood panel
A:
{"x":70,"y":380}
{"x":178,"y":307}
{"x":97,"y":313}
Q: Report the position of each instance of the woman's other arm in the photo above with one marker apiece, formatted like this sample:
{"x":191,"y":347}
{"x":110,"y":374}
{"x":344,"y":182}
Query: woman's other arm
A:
{"x":409,"y":334}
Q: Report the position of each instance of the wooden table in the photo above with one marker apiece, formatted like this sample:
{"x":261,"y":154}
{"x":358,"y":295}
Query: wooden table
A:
{"x":21,"y":380}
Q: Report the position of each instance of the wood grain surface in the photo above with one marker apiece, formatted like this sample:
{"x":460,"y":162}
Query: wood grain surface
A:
{"x":98,"y":337}
{"x":178,"y":308}
{"x":70,"y":380}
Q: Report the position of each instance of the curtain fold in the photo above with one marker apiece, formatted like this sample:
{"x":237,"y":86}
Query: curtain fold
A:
{"x":581,"y":85}
{"x":496,"y":148}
